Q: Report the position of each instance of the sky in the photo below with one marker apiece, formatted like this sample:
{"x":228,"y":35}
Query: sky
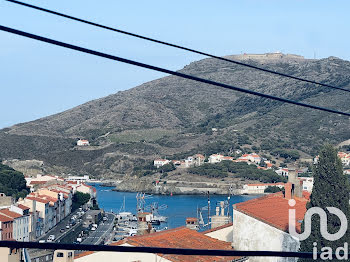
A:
{"x":38,"y":79}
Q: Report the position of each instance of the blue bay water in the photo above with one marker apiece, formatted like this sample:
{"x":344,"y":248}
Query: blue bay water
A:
{"x":179,"y":207}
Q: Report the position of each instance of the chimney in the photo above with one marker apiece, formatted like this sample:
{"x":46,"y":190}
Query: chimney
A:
{"x":217,"y":210}
{"x":222,"y":204}
{"x":288,"y":191}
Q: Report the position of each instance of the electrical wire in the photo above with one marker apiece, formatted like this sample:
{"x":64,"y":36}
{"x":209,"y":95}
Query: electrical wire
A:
{"x":159,"y":69}
{"x":176,"y":46}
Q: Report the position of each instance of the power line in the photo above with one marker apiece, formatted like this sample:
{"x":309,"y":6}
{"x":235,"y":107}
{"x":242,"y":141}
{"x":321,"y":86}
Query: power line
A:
{"x":174,"y":45}
{"x":163,"y":70}
{"x":157,"y":250}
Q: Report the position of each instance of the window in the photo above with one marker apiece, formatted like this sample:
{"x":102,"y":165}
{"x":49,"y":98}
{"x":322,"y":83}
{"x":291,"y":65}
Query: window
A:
{"x":59,"y":254}
{"x":70,"y":254}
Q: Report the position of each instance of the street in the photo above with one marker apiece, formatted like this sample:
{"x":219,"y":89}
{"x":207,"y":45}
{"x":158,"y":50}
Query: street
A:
{"x":102,"y":232}
{"x":56,"y":229}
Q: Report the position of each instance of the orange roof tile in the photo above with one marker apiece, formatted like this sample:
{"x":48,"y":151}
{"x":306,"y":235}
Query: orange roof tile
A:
{"x":182,"y":238}
{"x":9,"y":213}
{"x":5,"y":218}
{"x":23,"y":207}
{"x":273,"y":209}
{"x":216,"y":228}
{"x":38,"y":199}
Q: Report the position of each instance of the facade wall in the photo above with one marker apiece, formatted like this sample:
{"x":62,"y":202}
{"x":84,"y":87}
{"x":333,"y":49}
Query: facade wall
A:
{"x":21,"y":228}
{"x":224,"y":234}
{"x":252,"y":234}
{"x":6,"y":230}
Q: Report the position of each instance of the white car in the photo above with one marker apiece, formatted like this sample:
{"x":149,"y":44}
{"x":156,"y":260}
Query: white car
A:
{"x":42,"y":241}
{"x":93,"y":228}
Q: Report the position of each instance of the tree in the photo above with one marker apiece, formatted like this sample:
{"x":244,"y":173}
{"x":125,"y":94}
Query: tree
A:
{"x":331,"y":189}
{"x":12,"y":182}
{"x":80,"y":199}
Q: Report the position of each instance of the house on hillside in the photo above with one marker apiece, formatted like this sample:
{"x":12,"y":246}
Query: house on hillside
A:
{"x":215,"y":158}
{"x":160,"y":162}
{"x":83,"y":142}
{"x":259,"y":188}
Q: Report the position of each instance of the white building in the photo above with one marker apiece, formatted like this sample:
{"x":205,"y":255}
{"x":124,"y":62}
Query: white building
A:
{"x":259,"y":188}
{"x":78,"y":178}
{"x":215,"y":158}
{"x":308,"y":183}
{"x":160,"y":162}
{"x":262,"y":224}
{"x":82,"y":142}
{"x":282,"y":171}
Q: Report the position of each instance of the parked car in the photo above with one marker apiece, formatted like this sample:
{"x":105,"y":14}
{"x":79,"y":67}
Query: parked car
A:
{"x":52,"y":237}
{"x":105,"y":218}
{"x":67,"y":226}
{"x":62,"y":230}
{"x":42,"y":241}
{"x":93,"y":228}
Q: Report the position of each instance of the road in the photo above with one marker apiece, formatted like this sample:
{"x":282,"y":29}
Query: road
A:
{"x":102,"y":232}
{"x":56,"y":229}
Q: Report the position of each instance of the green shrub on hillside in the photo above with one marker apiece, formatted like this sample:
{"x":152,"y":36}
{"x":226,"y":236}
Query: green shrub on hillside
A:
{"x":12,"y":182}
{"x":241,"y":170}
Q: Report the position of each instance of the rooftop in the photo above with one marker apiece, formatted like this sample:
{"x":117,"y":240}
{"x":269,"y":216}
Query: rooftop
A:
{"x":180,"y":237}
{"x":273,"y":209}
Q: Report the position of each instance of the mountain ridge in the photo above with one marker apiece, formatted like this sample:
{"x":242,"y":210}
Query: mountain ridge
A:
{"x":171,"y":116}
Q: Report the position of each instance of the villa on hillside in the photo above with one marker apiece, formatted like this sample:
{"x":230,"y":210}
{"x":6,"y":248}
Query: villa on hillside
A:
{"x":83,"y":142}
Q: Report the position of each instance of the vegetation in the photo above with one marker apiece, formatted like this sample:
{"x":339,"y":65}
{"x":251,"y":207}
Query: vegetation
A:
{"x":80,"y":199}
{"x":331,"y":189}
{"x":241,"y":170}
{"x":150,"y":169}
{"x":272,"y":189}
{"x":12,"y":182}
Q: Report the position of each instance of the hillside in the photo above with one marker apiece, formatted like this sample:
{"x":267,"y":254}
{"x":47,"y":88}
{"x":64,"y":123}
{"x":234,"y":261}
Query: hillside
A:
{"x":174,"y":117}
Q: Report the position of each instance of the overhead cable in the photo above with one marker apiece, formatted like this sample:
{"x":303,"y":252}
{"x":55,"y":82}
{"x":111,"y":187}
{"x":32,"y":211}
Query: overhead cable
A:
{"x":166,"y":71}
{"x":176,"y":46}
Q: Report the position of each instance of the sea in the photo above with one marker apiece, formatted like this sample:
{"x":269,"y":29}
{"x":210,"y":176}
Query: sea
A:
{"x":176,"y":207}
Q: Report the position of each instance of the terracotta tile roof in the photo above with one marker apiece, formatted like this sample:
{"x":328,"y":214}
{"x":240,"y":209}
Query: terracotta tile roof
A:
{"x":5,"y":218}
{"x":273,"y":210}
{"x":9,"y":213}
{"x":34,"y":182}
{"x":23,"y":207}
{"x":38,"y":199}
{"x":177,"y":238}
{"x":216,"y":228}
{"x":182,"y":238}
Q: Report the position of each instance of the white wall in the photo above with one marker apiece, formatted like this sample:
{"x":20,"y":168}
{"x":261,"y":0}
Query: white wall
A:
{"x":224,"y":234}
{"x":252,"y":234}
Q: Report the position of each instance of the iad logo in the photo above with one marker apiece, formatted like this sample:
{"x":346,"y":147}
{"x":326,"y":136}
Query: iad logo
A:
{"x":326,"y":252}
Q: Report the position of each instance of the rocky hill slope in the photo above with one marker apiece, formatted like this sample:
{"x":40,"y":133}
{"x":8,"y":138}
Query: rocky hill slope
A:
{"x":174,"y":117}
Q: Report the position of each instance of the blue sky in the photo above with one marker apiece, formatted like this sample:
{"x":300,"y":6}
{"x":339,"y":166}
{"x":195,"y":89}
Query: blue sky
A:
{"x":38,"y":79}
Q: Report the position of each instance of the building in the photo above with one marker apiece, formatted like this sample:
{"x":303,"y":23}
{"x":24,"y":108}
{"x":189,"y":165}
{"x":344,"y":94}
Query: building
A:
{"x":6,"y":201}
{"x":78,"y":178}
{"x":44,"y":212}
{"x":282,"y":172}
{"x":259,"y":188}
{"x":198,"y":159}
{"x":220,"y":218}
{"x":6,"y":227}
{"x":215,"y":158}
{"x":181,"y":237}
{"x":20,"y":223}
{"x":262,"y":223}
{"x":160,"y":162}
{"x":82,"y":142}
{"x":308,"y":183}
